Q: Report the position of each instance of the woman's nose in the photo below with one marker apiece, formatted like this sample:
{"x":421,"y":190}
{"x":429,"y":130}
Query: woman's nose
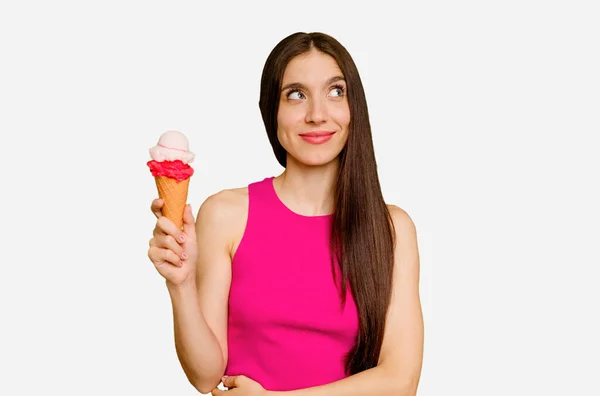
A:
{"x":317,"y":112}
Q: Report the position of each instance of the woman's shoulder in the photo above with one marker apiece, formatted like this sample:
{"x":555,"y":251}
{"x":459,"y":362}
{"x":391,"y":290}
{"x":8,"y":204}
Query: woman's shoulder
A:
{"x":400,"y":218}
{"x":225,"y":204}
{"x":233,"y":202}
{"x":231,"y":196}
{"x":224,"y":213}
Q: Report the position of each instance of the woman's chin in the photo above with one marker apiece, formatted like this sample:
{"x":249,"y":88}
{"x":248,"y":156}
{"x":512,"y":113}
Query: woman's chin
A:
{"x":315,"y":160}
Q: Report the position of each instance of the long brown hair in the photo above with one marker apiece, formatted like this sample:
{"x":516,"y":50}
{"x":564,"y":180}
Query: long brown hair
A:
{"x":362,"y":232}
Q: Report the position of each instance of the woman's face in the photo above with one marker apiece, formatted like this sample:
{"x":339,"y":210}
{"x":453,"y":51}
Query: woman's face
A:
{"x":313,"y":117}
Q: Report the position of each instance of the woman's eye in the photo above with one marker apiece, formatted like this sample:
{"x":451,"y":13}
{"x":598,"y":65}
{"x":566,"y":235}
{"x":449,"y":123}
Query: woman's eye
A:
{"x":337,"y":91}
{"x":295,"y":95}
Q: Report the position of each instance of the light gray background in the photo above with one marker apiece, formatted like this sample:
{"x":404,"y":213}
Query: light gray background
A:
{"x":483,"y":115}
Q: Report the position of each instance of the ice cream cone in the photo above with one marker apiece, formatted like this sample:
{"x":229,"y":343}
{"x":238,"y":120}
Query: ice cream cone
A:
{"x":174,"y":194}
{"x":171,"y":170}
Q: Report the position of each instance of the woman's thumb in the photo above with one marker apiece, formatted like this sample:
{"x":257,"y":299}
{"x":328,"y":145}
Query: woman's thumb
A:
{"x":188,"y":221}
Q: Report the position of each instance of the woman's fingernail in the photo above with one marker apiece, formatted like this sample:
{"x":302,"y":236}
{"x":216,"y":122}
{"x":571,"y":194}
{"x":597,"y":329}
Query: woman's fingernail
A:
{"x":184,"y":255}
{"x":181,"y":263}
{"x":224,"y":377}
{"x":182,"y":238}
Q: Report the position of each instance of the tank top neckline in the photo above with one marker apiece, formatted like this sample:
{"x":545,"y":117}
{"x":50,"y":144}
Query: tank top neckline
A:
{"x":270,"y":182}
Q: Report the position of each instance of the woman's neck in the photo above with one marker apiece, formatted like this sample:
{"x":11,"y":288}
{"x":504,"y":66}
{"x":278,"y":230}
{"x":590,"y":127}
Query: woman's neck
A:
{"x":308,"y":190}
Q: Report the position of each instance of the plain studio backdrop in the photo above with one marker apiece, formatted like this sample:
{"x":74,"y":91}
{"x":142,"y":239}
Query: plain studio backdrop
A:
{"x":483,"y":115}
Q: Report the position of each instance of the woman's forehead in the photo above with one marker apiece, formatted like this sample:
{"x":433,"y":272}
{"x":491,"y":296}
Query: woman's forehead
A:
{"x":313,"y":67}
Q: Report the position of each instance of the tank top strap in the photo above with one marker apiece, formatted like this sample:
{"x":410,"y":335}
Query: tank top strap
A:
{"x":263,"y":201}
{"x":263,"y":216}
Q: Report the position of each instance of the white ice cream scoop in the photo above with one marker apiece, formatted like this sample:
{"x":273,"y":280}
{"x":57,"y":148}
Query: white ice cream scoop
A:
{"x":172,"y":146}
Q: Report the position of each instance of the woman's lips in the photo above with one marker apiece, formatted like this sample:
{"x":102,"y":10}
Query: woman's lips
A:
{"x":317,"y":137}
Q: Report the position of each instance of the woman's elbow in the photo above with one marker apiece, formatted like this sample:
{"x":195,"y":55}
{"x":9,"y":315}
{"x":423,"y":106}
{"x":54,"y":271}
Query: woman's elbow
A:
{"x":206,"y":386}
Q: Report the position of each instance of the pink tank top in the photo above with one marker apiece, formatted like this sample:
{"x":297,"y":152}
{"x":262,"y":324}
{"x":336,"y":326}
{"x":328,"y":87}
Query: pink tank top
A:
{"x":287,"y":326}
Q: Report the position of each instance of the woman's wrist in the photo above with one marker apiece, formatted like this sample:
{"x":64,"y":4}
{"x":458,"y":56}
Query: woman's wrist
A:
{"x":184,"y":287}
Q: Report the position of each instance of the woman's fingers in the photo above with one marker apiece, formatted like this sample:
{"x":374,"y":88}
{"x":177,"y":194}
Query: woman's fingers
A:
{"x":156,"y":207}
{"x":166,"y":226}
{"x":168,"y":242}
{"x":163,"y":256}
{"x":165,"y":246}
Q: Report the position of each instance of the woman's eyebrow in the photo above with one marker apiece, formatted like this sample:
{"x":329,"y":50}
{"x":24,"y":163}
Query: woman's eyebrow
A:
{"x":335,"y":79}
{"x":297,"y":85}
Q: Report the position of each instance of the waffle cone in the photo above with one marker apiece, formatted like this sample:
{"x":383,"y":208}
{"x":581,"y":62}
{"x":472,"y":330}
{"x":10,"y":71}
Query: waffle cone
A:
{"x":174,"y":194}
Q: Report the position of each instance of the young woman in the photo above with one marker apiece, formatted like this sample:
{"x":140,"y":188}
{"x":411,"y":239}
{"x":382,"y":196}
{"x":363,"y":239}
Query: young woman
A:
{"x":305,"y":283}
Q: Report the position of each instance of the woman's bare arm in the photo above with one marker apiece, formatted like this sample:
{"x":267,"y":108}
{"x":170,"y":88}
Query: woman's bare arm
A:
{"x":200,"y":307}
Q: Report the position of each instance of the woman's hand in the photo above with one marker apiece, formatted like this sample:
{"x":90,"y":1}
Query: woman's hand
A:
{"x":172,"y":251}
{"x":240,"y":385}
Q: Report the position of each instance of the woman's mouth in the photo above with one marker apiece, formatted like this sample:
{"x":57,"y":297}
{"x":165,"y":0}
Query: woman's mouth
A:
{"x":317,"y":137}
